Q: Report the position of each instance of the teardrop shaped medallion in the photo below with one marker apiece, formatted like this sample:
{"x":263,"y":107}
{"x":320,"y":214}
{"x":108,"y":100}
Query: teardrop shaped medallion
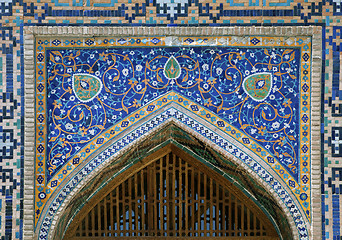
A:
{"x":258,"y":86}
{"x":85,"y":86}
{"x":172,"y":69}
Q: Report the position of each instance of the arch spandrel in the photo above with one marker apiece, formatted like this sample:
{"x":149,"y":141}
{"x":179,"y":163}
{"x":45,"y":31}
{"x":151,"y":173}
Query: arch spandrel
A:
{"x":291,"y":192}
{"x":202,"y":114}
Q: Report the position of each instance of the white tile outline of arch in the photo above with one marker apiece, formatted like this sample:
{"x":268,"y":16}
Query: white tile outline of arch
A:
{"x":295,"y":218}
{"x":30,"y":32}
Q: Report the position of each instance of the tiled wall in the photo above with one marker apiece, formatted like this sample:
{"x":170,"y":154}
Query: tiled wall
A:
{"x":16,"y":15}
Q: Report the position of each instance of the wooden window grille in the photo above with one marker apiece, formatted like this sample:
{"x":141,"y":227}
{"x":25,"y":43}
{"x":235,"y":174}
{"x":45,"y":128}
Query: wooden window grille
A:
{"x":172,"y":198}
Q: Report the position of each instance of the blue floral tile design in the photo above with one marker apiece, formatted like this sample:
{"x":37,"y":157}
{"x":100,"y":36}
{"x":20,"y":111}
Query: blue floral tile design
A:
{"x":90,"y":90}
{"x":253,"y":89}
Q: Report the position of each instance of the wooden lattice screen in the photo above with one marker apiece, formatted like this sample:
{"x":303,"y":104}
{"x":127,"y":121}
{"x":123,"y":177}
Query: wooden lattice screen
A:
{"x":170,"y":197}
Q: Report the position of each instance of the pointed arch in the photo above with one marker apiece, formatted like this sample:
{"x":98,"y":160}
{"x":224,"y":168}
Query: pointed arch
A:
{"x":170,"y":194}
{"x":172,"y":130}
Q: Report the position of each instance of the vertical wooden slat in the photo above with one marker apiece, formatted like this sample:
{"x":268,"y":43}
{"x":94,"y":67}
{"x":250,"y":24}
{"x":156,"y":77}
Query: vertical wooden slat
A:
{"x":255,"y":223}
{"x":150,"y":192}
{"x":242,"y":218}
{"x":129,"y":200}
{"x":83,"y":229}
{"x":223,"y":211}
{"x":111,"y":219}
{"x":160,"y":197}
{"x":118,"y":224}
{"x":248,"y":222}
{"x":143,"y":200}
{"x":257,"y":227}
{"x":161,"y":200}
{"x":236,"y":217}
{"x":99,"y":219}
{"x":93,"y":221}
{"x":186,"y":198}
{"x":261,"y":229}
{"x":156,"y":200}
{"x":211,"y":206}
{"x":232,"y":214}
{"x":222,"y":216}
{"x":150,"y":201}
{"x":87,"y":225}
{"x":229,"y":217}
{"x":124,"y":208}
{"x":198,"y":204}
{"x":173,"y":193}
{"x":204,"y":203}
{"x":180,"y":202}
{"x":167,"y":175}
{"x":251,"y":222}
{"x":136,"y":204}
{"x":154,"y":216}
{"x":217,"y":214}
{"x":105,"y":217}
{"x":192,"y":197}
{"x":166,"y":194}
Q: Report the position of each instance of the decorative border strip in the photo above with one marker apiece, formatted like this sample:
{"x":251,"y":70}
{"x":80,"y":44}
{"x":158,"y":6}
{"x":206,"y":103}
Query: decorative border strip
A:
{"x":89,"y":31}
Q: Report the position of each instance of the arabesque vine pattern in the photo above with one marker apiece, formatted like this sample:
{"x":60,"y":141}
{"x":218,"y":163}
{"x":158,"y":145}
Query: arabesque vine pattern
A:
{"x":254,"y":89}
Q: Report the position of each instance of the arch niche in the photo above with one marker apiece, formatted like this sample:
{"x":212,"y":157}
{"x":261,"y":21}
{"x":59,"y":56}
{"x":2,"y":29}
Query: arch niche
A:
{"x":173,"y":185}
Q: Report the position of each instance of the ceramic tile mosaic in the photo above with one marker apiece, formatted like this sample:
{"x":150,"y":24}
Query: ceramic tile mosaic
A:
{"x":257,"y":90}
{"x":252,"y":89}
{"x":18,"y":15}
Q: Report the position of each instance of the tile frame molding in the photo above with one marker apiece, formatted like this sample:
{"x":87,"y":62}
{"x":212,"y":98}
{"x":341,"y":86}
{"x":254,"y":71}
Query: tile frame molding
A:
{"x":31,"y":32}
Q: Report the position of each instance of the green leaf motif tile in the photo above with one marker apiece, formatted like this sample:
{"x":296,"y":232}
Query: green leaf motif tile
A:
{"x":86,"y":87}
{"x":258,"y":86}
{"x":172,"y":69}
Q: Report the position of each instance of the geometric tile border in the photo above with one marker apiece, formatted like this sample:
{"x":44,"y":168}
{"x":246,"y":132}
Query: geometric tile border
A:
{"x":31,"y":32}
